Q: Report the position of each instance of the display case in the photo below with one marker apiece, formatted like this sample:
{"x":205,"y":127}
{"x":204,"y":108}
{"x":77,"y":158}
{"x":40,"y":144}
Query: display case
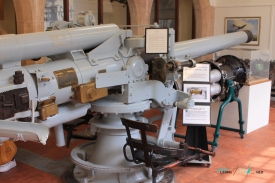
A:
{"x":257,"y":63}
{"x":254,"y":95}
{"x":255,"y":104}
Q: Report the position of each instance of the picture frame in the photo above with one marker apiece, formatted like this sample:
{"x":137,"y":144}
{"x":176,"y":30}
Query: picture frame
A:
{"x":201,"y":97}
{"x":199,"y":115}
{"x":200,"y":73}
{"x":235,"y":24}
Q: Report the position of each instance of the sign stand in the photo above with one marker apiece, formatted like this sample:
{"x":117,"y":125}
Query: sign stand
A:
{"x":196,"y":82}
{"x":196,"y":136}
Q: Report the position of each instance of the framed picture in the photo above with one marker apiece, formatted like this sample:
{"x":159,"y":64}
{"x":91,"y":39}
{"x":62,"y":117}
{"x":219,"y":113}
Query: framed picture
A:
{"x":200,"y":73}
{"x":234,"y":24}
{"x":197,"y":115}
{"x":200,"y":92}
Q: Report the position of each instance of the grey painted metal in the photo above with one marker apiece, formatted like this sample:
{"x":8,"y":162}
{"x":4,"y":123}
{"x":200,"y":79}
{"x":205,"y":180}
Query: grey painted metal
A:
{"x":84,"y":70}
{"x":145,"y":90}
{"x":167,"y":129}
{"x":111,"y":79}
{"x":23,"y":114}
{"x":109,"y":49}
{"x":111,"y":106}
{"x":185,"y":104}
{"x":203,"y":46}
{"x":106,"y":162}
{"x":136,"y":68}
{"x":46,"y":89}
{"x":24,"y":131}
{"x":2,"y":139}
{"x":59,"y":135}
{"x":66,"y":113}
{"x":131,"y":45}
{"x":101,"y":168}
{"x":34,"y":45}
{"x":171,"y":51}
{"x":113,"y":56}
{"x":163,"y":142}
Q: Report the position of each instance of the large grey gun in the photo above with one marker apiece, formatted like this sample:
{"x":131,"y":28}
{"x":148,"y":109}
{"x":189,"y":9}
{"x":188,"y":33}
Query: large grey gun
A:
{"x":88,"y":64}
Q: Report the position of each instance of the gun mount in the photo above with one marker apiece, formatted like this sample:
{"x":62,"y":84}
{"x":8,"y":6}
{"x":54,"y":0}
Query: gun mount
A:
{"x":99,"y":68}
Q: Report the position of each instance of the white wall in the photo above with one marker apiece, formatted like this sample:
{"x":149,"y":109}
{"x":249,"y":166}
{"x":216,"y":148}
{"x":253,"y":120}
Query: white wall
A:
{"x":249,"y":8}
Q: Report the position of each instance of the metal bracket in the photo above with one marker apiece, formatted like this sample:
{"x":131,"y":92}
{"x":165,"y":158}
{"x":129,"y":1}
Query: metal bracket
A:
{"x":108,"y":49}
{"x":145,"y":90}
{"x":111,"y":79}
{"x":44,"y":88}
{"x":9,"y":65}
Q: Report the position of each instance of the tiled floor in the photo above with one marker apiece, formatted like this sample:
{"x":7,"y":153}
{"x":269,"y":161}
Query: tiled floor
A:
{"x":256,"y":150}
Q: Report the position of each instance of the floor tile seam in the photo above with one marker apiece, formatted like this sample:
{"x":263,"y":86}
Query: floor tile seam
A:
{"x":43,"y":163}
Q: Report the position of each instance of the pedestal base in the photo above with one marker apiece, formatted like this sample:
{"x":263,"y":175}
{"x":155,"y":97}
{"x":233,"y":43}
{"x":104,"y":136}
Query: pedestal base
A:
{"x":85,"y":171}
{"x":103,"y":161}
{"x":196,"y":136}
{"x":168,"y":177}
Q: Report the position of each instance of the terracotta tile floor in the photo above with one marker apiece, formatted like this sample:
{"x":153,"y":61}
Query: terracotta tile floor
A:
{"x":256,"y":150}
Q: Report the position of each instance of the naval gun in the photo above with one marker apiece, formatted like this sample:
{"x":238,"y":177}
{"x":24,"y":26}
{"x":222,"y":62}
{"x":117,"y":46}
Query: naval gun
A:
{"x":102,"y":69}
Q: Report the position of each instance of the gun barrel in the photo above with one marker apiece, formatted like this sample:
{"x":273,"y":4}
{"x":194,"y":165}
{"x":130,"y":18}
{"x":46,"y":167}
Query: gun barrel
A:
{"x":203,"y":46}
{"x":35,"y":45}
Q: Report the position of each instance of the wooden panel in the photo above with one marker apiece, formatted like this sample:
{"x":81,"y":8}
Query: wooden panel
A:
{"x":29,"y":15}
{"x":66,"y":10}
{"x":157,"y":11}
{"x":100,"y":12}
{"x":177,"y":20}
{"x":2,"y":17}
{"x":140,"y":13}
{"x":30,"y":18}
{"x":255,"y":80}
